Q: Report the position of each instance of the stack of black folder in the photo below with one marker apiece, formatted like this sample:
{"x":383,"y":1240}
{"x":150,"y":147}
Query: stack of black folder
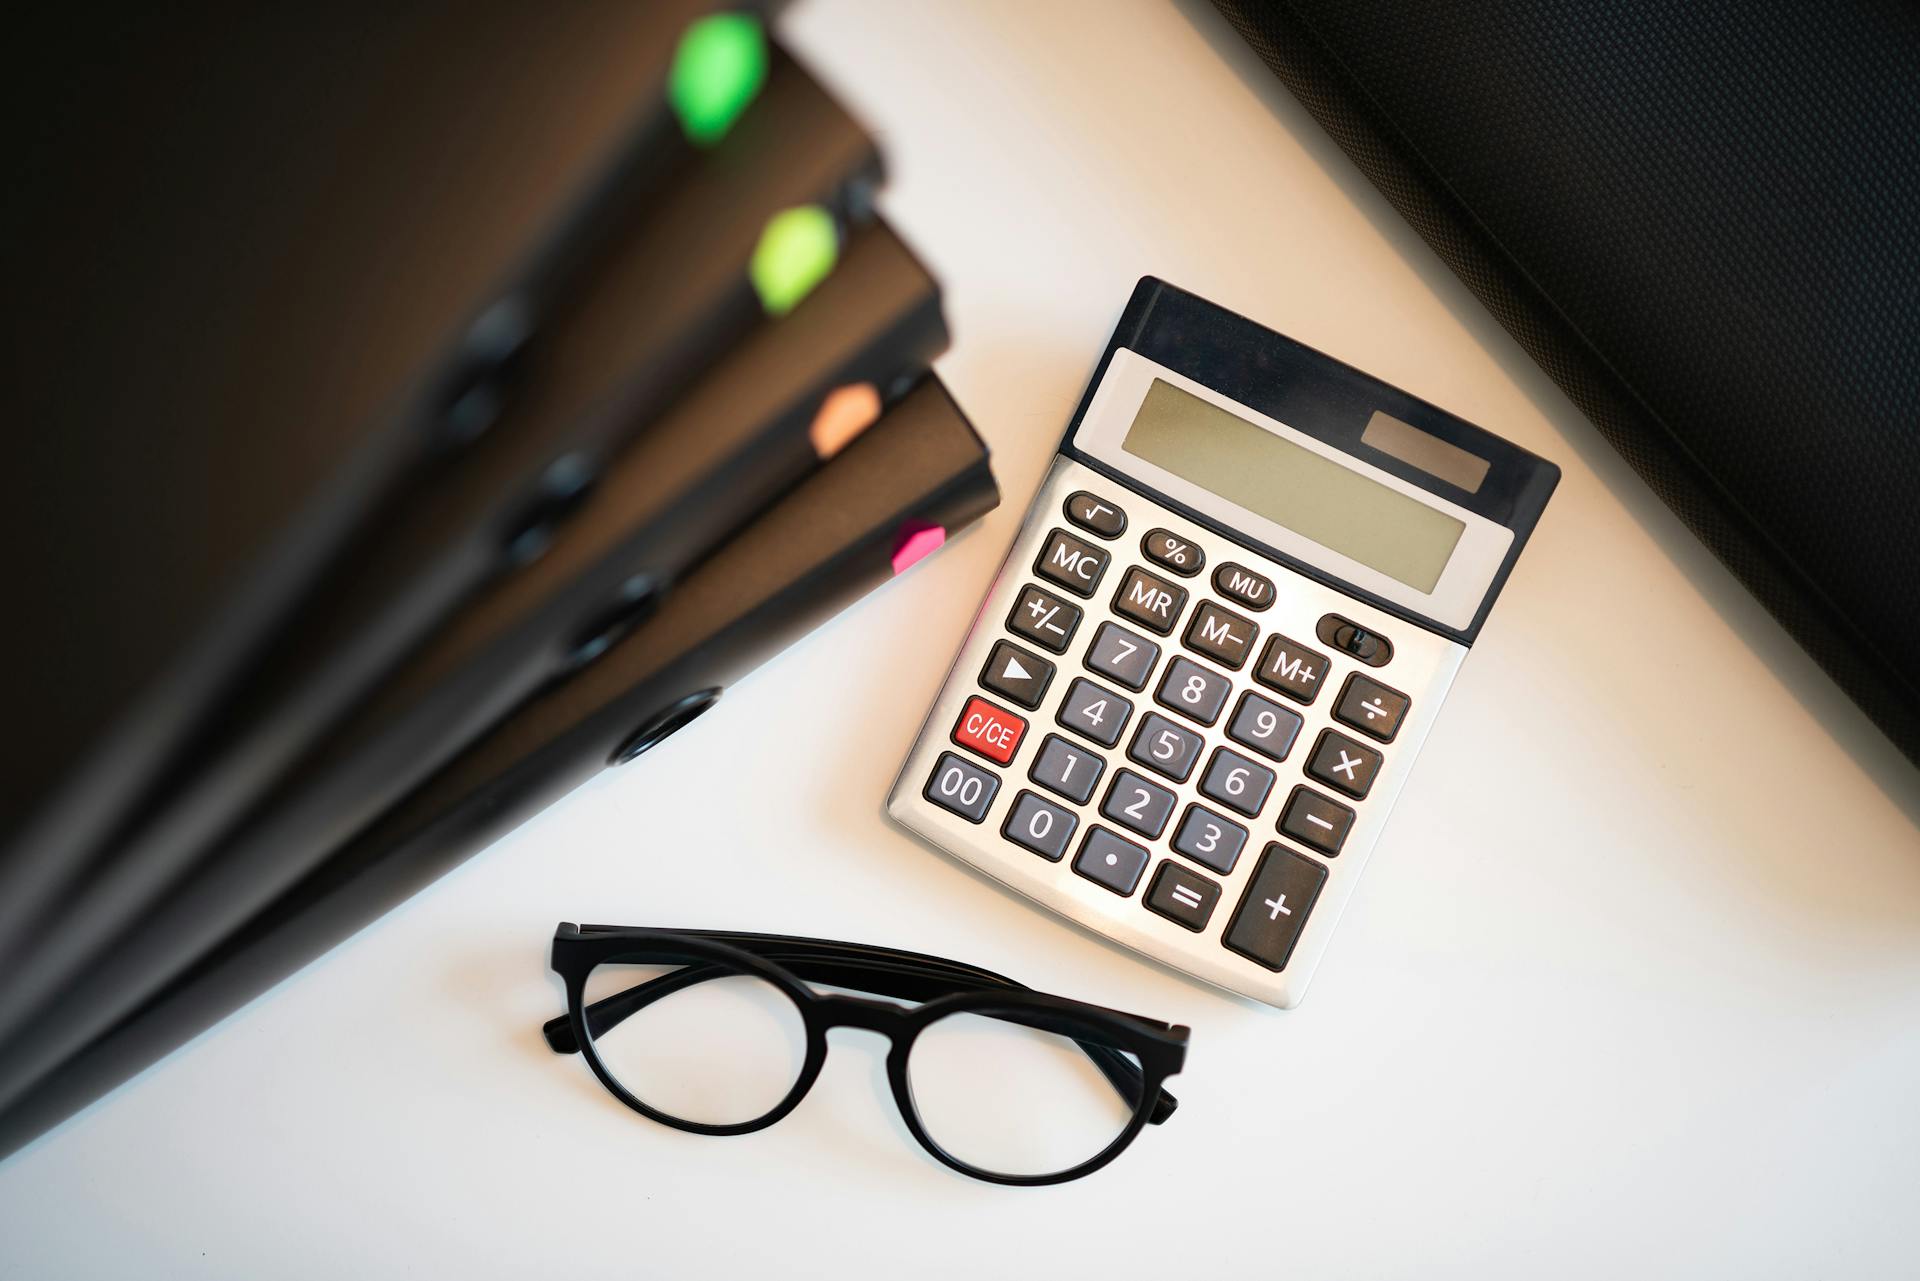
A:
{"x":460,"y":401}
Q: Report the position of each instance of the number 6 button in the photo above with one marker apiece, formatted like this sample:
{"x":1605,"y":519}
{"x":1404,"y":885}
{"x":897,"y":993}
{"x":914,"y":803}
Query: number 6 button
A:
{"x":1236,"y":782}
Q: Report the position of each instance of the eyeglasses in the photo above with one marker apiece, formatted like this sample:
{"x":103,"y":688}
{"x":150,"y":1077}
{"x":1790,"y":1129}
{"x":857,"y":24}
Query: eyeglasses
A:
{"x":716,"y":1033}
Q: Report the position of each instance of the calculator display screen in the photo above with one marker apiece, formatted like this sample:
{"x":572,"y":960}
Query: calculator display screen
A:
{"x":1291,"y":485}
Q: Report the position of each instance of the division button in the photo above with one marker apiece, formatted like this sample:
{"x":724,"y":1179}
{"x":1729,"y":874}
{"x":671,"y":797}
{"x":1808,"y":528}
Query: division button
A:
{"x":1041,"y":826}
{"x":1110,"y":860}
{"x":1161,"y":745}
{"x":1222,"y":636}
{"x":1122,"y":655}
{"x":1149,"y":601}
{"x":960,"y":786}
{"x":1096,"y":515}
{"x":1317,"y":822}
{"x":1073,"y":563}
{"x":1134,"y":802}
{"x":1183,"y":897}
{"x":1241,"y":585}
{"x":1099,"y":714}
{"x":991,"y":731}
{"x":1274,"y":908}
{"x":1178,"y":554}
{"x":1066,"y":767}
{"x":1371,"y":707}
{"x":1208,"y":839}
{"x":1263,"y":725}
{"x":1194,"y":691}
{"x":1020,"y":674}
{"x":1343,"y":764}
{"x":1292,"y":668}
{"x":1043,"y":618}
{"x":1236,"y":782}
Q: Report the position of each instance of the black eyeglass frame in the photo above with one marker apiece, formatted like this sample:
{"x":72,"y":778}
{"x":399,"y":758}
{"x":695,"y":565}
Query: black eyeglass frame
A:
{"x":940,"y":987}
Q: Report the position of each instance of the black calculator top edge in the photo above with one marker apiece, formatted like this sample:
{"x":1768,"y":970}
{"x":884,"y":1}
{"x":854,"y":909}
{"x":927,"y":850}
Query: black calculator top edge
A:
{"x":1324,"y":398}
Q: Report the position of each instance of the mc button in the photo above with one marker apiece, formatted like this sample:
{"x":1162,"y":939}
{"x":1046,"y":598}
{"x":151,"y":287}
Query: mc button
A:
{"x":1074,"y":563}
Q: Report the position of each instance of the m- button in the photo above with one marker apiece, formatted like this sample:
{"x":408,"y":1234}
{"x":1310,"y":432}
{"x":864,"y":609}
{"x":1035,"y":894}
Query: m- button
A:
{"x":1149,"y":601}
{"x":1221,"y":635}
{"x":1074,"y":563}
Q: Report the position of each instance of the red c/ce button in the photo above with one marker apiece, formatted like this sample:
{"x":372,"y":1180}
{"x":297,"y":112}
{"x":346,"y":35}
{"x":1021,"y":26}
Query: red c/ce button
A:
{"x":991,"y":731}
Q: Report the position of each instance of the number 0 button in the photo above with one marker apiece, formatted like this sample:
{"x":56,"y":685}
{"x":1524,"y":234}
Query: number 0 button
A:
{"x":1041,"y":826}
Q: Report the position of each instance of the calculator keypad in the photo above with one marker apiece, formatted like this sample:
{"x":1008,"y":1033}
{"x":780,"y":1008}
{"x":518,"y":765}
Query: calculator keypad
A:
{"x":1158,"y":805}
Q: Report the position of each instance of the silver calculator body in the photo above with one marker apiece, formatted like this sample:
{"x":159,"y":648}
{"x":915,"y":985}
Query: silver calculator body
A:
{"x":1228,"y":621}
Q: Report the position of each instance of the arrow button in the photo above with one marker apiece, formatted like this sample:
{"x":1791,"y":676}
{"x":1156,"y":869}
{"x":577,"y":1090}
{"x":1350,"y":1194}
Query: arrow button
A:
{"x":1020,"y":675}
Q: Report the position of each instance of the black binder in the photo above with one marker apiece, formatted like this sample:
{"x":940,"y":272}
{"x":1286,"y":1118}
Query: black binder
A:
{"x":850,"y":525}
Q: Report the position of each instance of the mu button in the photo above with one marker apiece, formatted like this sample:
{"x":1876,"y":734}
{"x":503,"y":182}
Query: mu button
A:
{"x":991,"y":731}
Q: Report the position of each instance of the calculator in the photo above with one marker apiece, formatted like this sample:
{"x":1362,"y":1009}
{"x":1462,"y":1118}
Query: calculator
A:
{"x":1224,"y":629}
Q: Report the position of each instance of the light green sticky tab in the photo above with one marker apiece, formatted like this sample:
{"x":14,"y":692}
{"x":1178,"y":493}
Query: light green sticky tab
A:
{"x":795,"y":253}
{"x":717,"y":70}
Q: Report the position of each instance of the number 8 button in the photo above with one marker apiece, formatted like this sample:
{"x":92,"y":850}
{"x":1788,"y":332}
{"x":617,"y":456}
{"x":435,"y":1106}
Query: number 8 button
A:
{"x":1194,"y":691}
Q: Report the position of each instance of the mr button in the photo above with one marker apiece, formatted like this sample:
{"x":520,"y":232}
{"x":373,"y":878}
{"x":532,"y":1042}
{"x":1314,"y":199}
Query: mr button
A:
{"x":1151,"y":602}
{"x":988,"y":730}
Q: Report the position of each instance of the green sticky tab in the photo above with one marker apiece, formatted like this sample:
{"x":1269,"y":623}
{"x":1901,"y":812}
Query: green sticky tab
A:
{"x":717,"y":70}
{"x":795,"y":253}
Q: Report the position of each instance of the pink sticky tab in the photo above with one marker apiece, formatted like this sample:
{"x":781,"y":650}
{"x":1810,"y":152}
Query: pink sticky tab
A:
{"x":915,"y":541}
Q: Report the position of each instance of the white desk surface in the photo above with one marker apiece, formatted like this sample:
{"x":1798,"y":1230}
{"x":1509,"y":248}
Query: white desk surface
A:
{"x":1649,"y":1006}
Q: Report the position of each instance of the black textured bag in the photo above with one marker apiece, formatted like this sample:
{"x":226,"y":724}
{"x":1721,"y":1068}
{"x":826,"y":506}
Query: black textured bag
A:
{"x":1703,"y":221}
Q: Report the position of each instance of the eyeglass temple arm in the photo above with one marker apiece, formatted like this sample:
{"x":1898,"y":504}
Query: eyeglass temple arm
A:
{"x":906,"y":980}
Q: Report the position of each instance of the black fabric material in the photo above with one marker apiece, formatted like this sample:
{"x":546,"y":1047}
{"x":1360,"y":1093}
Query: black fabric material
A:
{"x":1703,"y":221}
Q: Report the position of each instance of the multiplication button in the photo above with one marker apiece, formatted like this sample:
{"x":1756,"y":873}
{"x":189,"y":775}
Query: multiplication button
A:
{"x":961,"y":787}
{"x":1274,"y":908}
{"x":1043,"y":618}
{"x":1343,"y":764}
{"x":1073,"y":563}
